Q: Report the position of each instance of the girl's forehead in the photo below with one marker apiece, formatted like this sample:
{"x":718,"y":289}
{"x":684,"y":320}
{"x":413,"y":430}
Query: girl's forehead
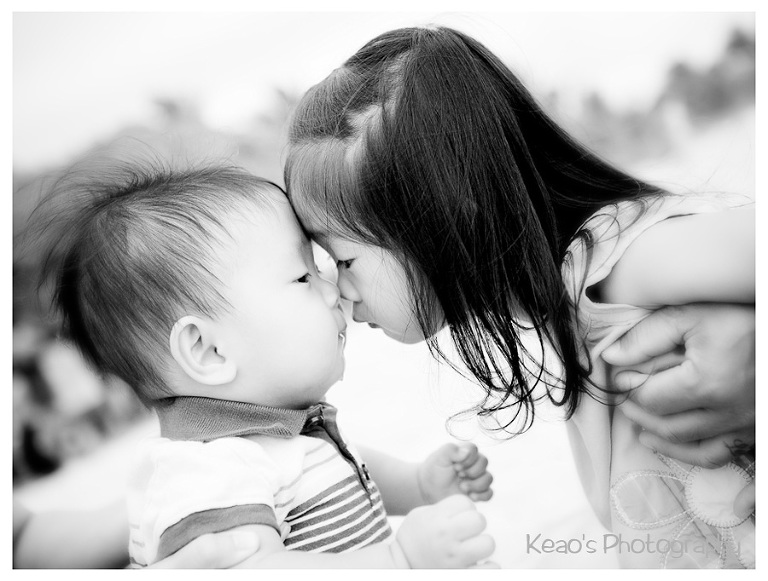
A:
{"x":315,"y":228}
{"x":313,"y":218}
{"x":318,"y":228}
{"x":322,"y":188}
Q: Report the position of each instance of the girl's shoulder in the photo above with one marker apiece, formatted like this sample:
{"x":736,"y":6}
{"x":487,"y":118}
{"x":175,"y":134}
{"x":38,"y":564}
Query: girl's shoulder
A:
{"x":605,"y":236}
{"x":628,"y":218}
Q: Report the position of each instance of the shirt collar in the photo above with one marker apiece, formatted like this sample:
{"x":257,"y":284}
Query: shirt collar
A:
{"x":203,"y":419}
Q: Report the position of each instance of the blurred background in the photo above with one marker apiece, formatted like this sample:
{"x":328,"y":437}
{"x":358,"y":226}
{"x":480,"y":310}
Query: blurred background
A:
{"x":667,"y":96}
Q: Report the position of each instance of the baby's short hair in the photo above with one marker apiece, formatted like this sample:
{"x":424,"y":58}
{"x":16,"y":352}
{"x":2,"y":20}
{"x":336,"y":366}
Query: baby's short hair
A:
{"x":129,"y":249}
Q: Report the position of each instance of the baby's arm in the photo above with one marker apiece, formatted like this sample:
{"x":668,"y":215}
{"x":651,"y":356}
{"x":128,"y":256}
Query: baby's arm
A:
{"x":706,"y":257}
{"x":443,"y":535}
{"x":396,"y":479}
{"x":451,"y":469}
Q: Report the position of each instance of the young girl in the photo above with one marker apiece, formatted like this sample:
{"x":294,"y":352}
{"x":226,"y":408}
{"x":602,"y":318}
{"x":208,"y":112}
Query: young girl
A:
{"x":449,"y":198}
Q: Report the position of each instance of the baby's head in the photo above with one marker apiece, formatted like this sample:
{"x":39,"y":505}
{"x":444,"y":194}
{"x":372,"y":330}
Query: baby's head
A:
{"x":192,"y":282}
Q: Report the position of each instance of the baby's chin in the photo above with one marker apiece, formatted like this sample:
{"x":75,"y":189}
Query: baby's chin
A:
{"x":332,"y":380}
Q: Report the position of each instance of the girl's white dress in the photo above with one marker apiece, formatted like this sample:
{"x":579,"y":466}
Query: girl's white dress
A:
{"x":660,"y":512}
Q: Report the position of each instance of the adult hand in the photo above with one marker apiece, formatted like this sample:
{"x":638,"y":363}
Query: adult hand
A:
{"x":213,"y":551}
{"x":744,"y":505}
{"x":691,"y":373}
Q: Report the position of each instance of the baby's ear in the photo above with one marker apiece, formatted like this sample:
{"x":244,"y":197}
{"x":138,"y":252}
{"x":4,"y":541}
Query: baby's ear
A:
{"x":193,"y":346}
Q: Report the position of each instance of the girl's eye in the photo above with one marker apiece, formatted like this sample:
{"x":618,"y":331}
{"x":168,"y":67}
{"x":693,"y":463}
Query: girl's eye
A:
{"x":304,"y":279}
{"x":344,"y":263}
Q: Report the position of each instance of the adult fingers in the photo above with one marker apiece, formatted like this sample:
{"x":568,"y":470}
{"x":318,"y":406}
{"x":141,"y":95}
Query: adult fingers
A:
{"x":709,"y":453}
{"x":676,"y":428}
{"x":667,"y":392}
{"x":744,"y":505}
{"x":213,"y":551}
{"x":694,"y":424}
{"x":655,"y":335}
{"x":647,"y":368}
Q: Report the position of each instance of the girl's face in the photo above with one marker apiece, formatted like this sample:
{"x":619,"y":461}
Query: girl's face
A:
{"x":374,"y":281}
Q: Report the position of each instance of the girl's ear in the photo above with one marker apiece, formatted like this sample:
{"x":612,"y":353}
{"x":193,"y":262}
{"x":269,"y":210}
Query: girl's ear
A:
{"x":193,"y":346}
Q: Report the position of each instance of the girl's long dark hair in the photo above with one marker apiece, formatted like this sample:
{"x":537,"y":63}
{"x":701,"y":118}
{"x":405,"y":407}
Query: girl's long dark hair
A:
{"x":426,"y":144}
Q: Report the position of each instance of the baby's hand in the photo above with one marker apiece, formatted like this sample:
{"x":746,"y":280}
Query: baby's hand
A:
{"x":445,"y":535}
{"x":455,"y":469}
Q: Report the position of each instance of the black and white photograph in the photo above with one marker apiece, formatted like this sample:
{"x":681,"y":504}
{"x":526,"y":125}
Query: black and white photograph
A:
{"x":437,"y":286}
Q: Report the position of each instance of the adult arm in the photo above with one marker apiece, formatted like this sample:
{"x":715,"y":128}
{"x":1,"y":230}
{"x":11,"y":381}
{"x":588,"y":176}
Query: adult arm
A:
{"x":694,"y":364}
{"x":690,"y":371}
{"x":98,"y":539}
{"x":94,"y":539}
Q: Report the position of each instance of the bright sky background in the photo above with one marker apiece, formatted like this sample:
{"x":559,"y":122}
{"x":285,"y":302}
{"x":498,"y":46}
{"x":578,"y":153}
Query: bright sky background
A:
{"x":80,"y":76}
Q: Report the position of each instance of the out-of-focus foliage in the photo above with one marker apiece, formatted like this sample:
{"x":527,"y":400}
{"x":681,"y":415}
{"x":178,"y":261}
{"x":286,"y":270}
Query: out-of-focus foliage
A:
{"x":62,"y":409}
{"x":690,"y":99}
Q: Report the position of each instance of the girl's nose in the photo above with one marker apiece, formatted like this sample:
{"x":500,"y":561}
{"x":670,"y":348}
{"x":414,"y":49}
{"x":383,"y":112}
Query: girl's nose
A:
{"x":347,"y":290}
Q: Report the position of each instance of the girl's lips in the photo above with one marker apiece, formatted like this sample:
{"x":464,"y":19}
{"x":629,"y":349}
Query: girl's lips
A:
{"x":373,"y":326}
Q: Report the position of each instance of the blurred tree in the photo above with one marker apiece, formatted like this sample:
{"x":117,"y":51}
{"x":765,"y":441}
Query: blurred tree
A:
{"x":727,"y":85}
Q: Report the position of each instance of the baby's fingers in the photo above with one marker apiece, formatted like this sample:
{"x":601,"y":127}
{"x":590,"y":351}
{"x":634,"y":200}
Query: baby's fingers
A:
{"x":477,"y":468}
{"x":476,"y":549}
{"x":479,"y":489}
{"x":486,"y":565}
{"x":464,"y":455}
{"x":481,"y":484}
{"x":453,"y":505}
{"x":467,"y":524}
{"x":481,"y":496}
{"x":709,"y":453}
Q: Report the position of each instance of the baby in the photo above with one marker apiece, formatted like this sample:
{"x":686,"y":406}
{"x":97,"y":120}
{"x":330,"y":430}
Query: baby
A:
{"x":199,"y":289}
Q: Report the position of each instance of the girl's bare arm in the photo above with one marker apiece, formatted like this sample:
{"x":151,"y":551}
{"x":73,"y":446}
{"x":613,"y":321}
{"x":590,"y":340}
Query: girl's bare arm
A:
{"x":706,"y":257}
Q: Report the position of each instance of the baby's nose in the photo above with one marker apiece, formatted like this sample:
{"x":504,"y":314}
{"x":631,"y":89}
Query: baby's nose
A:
{"x":347,"y":290}
{"x":330,"y":293}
